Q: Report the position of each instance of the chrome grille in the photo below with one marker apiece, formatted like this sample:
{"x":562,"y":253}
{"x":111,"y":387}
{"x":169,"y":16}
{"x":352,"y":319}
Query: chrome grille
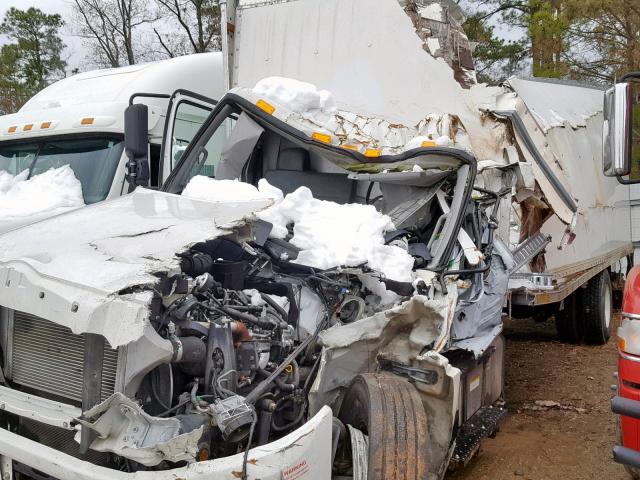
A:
{"x":50,"y":358}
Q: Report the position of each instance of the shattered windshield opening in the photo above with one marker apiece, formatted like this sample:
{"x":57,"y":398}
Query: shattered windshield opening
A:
{"x":93,"y":160}
{"x":421,"y":192}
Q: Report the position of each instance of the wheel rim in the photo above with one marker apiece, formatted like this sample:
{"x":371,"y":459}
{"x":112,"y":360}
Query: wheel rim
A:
{"x":607,"y":308}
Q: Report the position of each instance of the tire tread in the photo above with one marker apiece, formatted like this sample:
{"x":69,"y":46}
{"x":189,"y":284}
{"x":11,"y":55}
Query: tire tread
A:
{"x":595,"y":329}
{"x":397,"y":447}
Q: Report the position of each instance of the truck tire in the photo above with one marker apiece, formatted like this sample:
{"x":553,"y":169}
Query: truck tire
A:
{"x":568,"y":322}
{"x":389,"y":410}
{"x":598,"y":309}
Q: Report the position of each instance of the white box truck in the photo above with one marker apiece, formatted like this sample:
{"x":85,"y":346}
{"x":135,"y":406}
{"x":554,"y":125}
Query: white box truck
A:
{"x":330,"y":304}
{"x":79,"y":122}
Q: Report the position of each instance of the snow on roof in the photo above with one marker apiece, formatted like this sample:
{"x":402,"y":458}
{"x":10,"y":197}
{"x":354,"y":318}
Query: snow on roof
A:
{"x":313,"y":111}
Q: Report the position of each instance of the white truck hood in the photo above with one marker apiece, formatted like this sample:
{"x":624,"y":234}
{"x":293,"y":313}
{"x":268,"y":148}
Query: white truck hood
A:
{"x":6,"y":225}
{"x":82,"y":269}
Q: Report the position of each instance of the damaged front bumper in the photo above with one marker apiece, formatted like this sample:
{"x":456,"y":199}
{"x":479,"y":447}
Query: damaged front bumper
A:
{"x":304,"y":453}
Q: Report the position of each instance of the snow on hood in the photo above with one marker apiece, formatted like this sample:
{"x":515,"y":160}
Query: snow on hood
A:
{"x":87,"y":256}
{"x":52,"y":192}
{"x":201,"y":187}
{"x":115,"y":244}
{"x":328,"y":234}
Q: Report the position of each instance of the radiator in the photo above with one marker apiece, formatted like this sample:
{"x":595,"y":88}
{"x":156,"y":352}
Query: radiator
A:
{"x":49,"y":358}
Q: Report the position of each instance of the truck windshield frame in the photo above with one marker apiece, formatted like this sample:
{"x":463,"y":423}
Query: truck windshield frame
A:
{"x":93,"y":158}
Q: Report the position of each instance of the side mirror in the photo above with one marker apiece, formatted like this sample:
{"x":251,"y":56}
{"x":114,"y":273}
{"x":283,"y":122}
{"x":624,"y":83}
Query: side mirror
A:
{"x":136,"y":145}
{"x":620,"y":130}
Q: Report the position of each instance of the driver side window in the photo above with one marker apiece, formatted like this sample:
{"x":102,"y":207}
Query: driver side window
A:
{"x":210,"y":155}
{"x":214,"y":149}
{"x":188,"y":119}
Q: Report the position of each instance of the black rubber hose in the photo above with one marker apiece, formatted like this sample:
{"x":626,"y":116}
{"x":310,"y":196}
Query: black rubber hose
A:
{"x":275,"y":305}
{"x":280,"y":383}
{"x":282,"y":290}
{"x":257,"y":392}
{"x":295,"y":421}
{"x":232,"y":312}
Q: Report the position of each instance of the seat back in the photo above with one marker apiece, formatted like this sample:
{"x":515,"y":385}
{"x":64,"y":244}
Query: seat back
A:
{"x":293,"y":171}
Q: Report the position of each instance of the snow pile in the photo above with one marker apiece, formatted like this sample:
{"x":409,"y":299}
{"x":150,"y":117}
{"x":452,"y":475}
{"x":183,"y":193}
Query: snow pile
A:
{"x":212,"y":190}
{"x":53,"y":191}
{"x":328,"y":234}
{"x":310,"y":109}
{"x":299,"y":97}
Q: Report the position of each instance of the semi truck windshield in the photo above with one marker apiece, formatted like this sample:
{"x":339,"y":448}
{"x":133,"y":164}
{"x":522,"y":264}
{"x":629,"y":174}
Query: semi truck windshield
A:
{"x":93,"y":160}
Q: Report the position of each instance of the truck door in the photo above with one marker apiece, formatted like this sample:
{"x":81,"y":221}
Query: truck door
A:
{"x":185,"y":114}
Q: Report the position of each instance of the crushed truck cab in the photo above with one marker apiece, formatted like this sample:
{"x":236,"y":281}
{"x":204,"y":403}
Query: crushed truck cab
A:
{"x":174,"y":330}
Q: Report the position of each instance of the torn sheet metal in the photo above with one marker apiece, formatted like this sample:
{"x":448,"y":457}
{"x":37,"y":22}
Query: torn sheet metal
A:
{"x":478,"y":315}
{"x":123,"y":428}
{"x":398,"y":334}
{"x":403,"y":340}
{"x":558,"y":104}
{"x":535,"y":149}
{"x":441,"y":21}
{"x":83,"y":274}
{"x":360,"y":132}
{"x":565,"y":122}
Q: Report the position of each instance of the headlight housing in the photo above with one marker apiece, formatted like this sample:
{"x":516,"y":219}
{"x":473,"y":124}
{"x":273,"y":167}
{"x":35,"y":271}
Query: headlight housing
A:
{"x":629,"y":336}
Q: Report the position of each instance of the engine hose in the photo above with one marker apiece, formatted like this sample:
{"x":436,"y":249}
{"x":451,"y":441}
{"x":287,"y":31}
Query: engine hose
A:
{"x":292,"y":423}
{"x":282,"y":290}
{"x":261,"y":388}
{"x":221,"y":389}
{"x":232,"y":312}
{"x":307,"y":382}
{"x":280,"y":383}
{"x":271,"y":302}
{"x":295,"y":381}
{"x":209,"y":370}
{"x":194,"y":400}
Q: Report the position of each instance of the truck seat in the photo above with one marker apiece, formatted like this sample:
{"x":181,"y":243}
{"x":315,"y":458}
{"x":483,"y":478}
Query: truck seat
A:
{"x":293,"y":171}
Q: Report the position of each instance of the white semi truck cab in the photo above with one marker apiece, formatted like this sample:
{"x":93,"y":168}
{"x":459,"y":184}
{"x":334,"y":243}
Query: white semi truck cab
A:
{"x":80,"y":122}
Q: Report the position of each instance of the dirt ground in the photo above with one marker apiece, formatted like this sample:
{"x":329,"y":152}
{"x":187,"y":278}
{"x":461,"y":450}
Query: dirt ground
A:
{"x":536,"y":442}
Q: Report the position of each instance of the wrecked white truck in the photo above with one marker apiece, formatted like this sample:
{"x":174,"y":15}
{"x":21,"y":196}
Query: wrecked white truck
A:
{"x":568,"y":226}
{"x":181,"y":338}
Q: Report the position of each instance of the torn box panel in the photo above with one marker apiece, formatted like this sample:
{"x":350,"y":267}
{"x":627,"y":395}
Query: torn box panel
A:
{"x":439,"y":25}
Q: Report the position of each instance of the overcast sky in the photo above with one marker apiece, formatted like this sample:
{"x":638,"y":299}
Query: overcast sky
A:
{"x":73,"y":53}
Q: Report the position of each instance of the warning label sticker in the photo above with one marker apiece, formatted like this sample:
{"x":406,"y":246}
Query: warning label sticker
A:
{"x":296,"y":471}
